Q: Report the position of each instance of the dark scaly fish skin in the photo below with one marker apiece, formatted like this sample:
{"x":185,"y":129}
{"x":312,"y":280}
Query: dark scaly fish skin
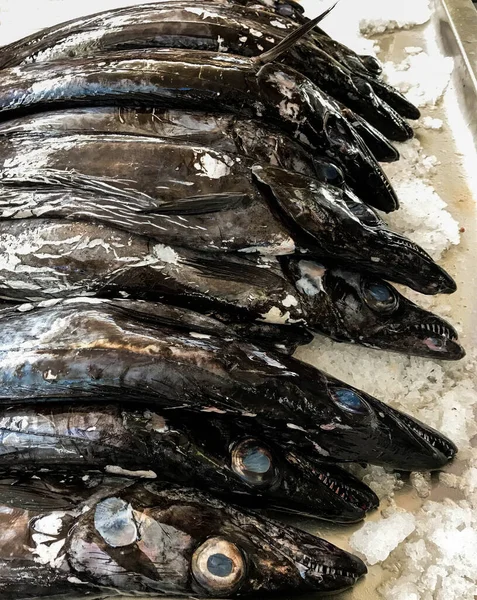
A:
{"x":221,"y":132}
{"x":180,"y":195}
{"x":60,"y":259}
{"x":114,"y":537}
{"x":381,"y":251}
{"x":203,"y":452}
{"x":352,"y":307}
{"x":88,"y":350}
{"x":192,"y":79}
{"x":282,"y":212}
{"x":223,"y":29}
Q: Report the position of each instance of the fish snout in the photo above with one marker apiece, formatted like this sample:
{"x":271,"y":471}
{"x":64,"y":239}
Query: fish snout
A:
{"x":435,"y":338}
{"x":328,"y":568}
{"x":401,"y":260}
{"x":363,"y":172}
{"x":422,"y":448}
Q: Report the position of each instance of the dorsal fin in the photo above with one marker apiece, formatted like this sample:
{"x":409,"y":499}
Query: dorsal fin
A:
{"x":292,"y":39}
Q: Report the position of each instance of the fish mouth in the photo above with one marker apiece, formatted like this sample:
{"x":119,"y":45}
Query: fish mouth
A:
{"x":329,"y":493}
{"x":440,"y":450}
{"x":402,"y":261}
{"x":432,"y":338}
{"x":320,"y":565}
{"x":437,"y":339}
{"x":329,"y":570}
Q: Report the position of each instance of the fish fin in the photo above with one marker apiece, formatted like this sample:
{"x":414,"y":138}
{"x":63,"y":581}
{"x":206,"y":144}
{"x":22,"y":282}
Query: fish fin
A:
{"x":199,"y":205}
{"x":241,"y":272}
{"x":28,"y":496}
{"x":292,"y":39}
{"x":59,"y":180}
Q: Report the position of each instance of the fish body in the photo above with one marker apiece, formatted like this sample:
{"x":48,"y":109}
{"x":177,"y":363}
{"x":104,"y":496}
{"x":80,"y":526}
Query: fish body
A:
{"x":230,"y":459}
{"x":44,"y":259}
{"x":278,"y":19}
{"x":192,"y":79}
{"x":226,"y":133}
{"x":83,"y":350}
{"x":113,"y":537}
{"x":47,"y":259}
{"x":207,"y":26}
{"x":203,"y":199}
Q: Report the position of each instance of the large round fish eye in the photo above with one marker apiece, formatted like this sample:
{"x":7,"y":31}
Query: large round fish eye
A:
{"x":253,"y":463}
{"x":329,"y":173}
{"x":380,"y":296}
{"x":114,"y":521}
{"x":219,"y":566}
{"x":350,"y":401}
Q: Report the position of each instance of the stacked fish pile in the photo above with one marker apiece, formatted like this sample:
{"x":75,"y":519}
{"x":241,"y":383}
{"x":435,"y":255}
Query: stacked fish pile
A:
{"x":188,"y":194}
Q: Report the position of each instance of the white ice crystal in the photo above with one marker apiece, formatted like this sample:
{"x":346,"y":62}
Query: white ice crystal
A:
{"x":376,"y":540}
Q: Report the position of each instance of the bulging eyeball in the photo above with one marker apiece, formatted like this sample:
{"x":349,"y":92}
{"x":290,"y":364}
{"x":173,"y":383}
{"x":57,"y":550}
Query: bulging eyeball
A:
{"x":380,"y":296}
{"x":350,"y":401}
{"x":219,"y":566}
{"x":254,"y":463}
{"x":114,"y":521}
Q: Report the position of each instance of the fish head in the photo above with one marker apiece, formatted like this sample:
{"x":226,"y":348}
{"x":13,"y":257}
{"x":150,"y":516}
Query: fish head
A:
{"x":363,"y":309}
{"x":332,"y":221}
{"x":344,"y":424}
{"x":316,"y":121}
{"x":324,"y":218}
{"x":363,"y":173}
{"x":399,"y":259}
{"x":236,"y":459}
{"x":160,"y":539}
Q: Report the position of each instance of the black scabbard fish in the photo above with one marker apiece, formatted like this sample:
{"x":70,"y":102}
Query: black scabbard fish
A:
{"x":282,"y":212}
{"x":353,"y":307}
{"x":205,"y":26}
{"x":89,"y":350}
{"x":222,"y":456}
{"x":195,"y":79}
{"x":115,"y":537}
{"x":45,"y":259}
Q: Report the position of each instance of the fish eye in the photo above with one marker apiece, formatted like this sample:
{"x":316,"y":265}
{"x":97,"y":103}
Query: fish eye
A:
{"x":254,"y":463}
{"x":350,"y":401}
{"x":330,"y":174}
{"x":380,"y":296}
{"x":288,"y":8}
{"x":115,"y":523}
{"x":219,"y":566}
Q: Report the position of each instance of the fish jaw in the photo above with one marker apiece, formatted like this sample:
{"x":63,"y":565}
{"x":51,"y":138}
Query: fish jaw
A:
{"x":379,"y":145}
{"x":325,"y":491}
{"x":401,"y":260}
{"x":320,"y":565}
{"x":429,"y":336}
